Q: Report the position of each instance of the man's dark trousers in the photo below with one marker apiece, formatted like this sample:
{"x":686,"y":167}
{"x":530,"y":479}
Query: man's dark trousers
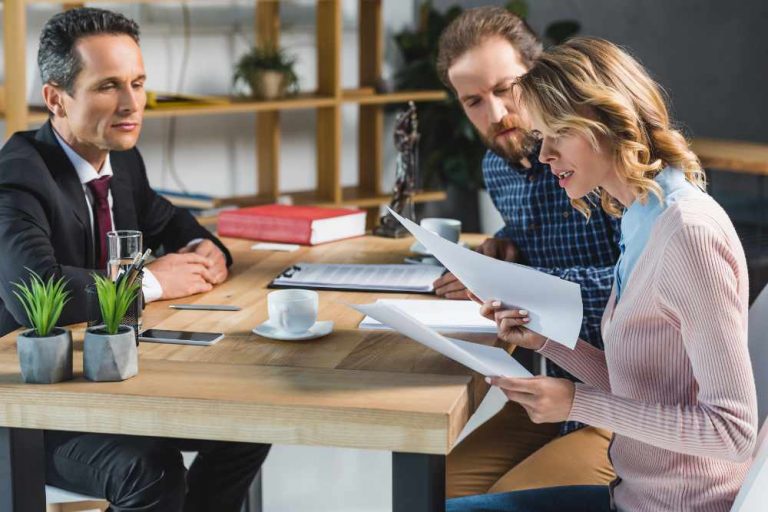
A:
{"x":147,"y":474}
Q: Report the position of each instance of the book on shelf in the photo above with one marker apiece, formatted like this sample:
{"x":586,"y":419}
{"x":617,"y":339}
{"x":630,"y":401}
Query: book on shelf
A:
{"x":204,"y":208}
{"x":192,"y":201}
{"x":306,"y":225}
{"x":160,"y":100}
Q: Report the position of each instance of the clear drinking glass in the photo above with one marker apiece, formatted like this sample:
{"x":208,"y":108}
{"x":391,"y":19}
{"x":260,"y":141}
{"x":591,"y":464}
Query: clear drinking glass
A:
{"x":122,"y":247}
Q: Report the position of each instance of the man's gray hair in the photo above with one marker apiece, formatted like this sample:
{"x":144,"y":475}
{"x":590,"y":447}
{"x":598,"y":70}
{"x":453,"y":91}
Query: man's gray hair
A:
{"x":57,"y":58}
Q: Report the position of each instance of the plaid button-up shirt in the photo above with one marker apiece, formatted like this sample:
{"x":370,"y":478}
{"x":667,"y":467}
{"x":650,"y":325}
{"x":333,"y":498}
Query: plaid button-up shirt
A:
{"x":555,"y":238}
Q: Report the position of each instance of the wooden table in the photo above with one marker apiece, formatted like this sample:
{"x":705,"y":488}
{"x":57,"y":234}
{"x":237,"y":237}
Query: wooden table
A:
{"x":356,"y":389}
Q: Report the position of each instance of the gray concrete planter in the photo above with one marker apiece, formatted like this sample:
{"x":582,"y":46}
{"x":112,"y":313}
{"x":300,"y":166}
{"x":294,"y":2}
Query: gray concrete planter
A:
{"x":45,"y":360}
{"x":110,"y":357}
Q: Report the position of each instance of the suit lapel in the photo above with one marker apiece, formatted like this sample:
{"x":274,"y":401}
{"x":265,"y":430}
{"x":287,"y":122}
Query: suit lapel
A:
{"x":65,"y":175}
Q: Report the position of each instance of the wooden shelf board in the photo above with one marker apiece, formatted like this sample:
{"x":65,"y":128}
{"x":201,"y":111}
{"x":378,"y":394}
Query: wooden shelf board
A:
{"x":237,"y":106}
{"x":365,"y":96}
{"x":36,"y":115}
{"x":351,"y":196}
{"x":354,"y":196}
{"x":302,"y":101}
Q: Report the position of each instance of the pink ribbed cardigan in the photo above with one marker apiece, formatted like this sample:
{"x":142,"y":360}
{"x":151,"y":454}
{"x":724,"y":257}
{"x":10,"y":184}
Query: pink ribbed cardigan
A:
{"x":675,"y":381}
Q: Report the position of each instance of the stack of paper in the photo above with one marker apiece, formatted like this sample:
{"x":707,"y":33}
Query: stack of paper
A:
{"x":440,"y":315}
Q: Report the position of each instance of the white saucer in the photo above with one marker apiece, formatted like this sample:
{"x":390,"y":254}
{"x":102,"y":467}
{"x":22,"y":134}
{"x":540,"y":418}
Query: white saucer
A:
{"x":418,"y":248}
{"x":318,"y":330}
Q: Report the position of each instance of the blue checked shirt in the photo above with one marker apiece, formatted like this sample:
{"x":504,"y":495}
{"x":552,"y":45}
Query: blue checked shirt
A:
{"x":555,"y":238}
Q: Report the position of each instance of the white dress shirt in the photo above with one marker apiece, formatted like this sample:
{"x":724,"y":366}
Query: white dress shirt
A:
{"x":151,"y":287}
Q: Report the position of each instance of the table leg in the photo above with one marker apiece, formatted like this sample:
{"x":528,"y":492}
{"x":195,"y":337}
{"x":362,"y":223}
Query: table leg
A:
{"x":418,"y":482}
{"x":254,"y":501}
{"x":22,"y":470}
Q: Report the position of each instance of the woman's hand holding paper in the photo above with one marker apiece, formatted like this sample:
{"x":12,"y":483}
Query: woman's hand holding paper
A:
{"x":510,"y":324}
{"x":545,"y":399}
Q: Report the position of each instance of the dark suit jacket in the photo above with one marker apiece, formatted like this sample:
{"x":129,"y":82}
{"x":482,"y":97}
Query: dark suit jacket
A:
{"x":44,"y":223}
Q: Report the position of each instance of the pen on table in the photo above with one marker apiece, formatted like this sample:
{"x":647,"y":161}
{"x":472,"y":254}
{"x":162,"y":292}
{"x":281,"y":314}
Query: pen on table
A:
{"x":205,"y":307}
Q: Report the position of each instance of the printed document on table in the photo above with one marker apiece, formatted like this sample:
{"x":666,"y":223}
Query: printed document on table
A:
{"x":488,"y":361}
{"x":554,"y":305}
{"x":440,"y":315}
{"x":388,"y":278}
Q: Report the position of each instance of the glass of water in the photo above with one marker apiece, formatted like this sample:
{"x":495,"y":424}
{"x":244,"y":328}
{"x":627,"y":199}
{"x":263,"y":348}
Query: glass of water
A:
{"x":122,"y":248}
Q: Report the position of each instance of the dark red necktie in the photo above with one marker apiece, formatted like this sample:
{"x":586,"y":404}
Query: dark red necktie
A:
{"x":100,"y":190}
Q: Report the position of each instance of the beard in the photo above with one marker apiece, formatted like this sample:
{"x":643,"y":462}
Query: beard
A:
{"x":513,"y":146}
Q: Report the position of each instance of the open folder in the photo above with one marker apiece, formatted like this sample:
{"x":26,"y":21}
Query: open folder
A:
{"x":488,"y":361}
{"x":361,"y":277}
{"x":553,"y":304}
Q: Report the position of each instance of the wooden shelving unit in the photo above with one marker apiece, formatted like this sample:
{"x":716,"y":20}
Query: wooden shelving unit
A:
{"x":327,"y":100}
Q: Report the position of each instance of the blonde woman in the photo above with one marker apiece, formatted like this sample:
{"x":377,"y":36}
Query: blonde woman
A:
{"x":674,"y":382}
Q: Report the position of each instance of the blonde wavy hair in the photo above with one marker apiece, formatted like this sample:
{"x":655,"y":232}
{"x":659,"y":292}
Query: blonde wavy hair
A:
{"x":593,"y":86}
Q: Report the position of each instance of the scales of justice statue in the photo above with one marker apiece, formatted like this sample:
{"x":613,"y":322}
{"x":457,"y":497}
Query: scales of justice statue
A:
{"x":406,"y":175}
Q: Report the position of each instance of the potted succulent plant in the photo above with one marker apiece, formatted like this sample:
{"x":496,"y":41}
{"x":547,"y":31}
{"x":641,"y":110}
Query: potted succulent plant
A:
{"x":109,"y":350}
{"x":45,"y":351}
{"x":268,"y":71}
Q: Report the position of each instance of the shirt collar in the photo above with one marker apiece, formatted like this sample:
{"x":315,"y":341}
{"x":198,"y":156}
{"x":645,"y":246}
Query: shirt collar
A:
{"x":85,"y":171}
{"x":673,"y":185}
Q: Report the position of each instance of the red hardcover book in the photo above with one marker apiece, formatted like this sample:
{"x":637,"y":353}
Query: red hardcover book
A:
{"x":307,"y":225}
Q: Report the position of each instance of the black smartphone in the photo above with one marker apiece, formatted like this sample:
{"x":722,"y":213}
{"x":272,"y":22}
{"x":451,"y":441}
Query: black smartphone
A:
{"x":180,"y":337}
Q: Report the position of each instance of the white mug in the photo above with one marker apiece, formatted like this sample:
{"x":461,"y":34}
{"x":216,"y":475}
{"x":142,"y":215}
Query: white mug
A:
{"x":450,"y":229}
{"x":293,"y":311}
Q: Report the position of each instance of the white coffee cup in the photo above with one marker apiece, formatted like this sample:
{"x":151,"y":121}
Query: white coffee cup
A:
{"x":293,"y":311}
{"x":450,"y":229}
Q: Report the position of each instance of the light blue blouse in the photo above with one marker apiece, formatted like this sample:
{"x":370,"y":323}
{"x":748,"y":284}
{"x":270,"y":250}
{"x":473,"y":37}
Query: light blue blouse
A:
{"x":638,"y":221}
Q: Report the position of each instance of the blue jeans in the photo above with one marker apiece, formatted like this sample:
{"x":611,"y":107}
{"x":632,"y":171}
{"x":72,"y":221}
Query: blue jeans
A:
{"x":574,"y":498}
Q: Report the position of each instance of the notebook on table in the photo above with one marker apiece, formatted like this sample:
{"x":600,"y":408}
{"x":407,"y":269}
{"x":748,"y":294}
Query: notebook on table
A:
{"x":360,"y":277}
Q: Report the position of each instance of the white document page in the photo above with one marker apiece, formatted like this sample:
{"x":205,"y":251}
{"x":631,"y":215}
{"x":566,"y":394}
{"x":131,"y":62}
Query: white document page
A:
{"x":440,"y":315}
{"x":416,"y":278}
{"x":488,"y":361}
{"x":554,"y":305}
{"x":269,"y":246}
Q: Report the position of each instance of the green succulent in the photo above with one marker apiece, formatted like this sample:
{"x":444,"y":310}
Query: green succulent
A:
{"x":43,"y":301}
{"x":114,"y":300}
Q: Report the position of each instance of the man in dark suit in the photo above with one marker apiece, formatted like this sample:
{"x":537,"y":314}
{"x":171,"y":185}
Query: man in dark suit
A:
{"x":62,"y":187}
{"x":50,"y":181}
